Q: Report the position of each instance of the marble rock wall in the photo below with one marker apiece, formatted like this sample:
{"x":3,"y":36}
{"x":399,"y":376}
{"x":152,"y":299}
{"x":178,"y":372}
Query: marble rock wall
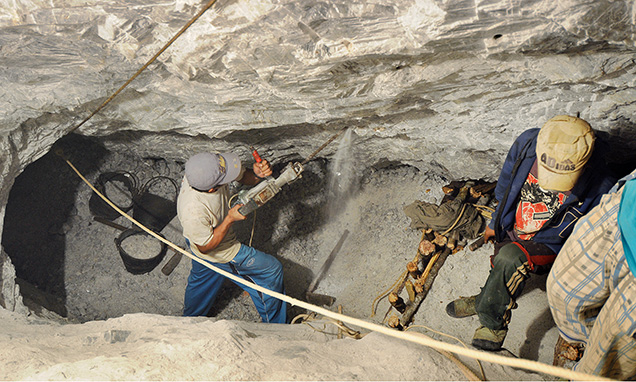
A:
{"x":443,"y":85}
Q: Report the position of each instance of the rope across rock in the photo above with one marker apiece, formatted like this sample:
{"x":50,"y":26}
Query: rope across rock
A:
{"x":406,"y":336}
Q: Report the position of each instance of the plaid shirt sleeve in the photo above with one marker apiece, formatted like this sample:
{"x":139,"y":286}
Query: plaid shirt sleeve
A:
{"x":591,"y":293}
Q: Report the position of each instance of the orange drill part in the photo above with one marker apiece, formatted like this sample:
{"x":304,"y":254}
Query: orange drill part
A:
{"x":257,"y":157}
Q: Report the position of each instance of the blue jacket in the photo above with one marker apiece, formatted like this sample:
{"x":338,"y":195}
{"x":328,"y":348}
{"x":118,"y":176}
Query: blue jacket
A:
{"x":593,"y":183}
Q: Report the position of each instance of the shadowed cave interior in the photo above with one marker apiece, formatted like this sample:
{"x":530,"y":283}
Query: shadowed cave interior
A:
{"x":67,"y":261}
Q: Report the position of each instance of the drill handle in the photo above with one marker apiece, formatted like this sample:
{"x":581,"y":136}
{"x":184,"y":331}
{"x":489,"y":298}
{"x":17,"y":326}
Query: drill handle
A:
{"x":255,"y":154}
{"x":248,"y":208}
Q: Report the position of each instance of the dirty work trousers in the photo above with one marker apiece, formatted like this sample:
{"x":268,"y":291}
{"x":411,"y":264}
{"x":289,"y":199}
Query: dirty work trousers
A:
{"x":250,"y":264}
{"x":511,"y":266}
{"x":592,"y":294}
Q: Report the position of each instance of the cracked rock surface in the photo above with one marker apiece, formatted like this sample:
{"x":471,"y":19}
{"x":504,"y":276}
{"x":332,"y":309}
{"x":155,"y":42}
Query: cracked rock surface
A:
{"x":433,"y":90}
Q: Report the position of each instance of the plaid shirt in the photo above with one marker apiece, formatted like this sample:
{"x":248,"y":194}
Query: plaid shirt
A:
{"x":592,"y":293}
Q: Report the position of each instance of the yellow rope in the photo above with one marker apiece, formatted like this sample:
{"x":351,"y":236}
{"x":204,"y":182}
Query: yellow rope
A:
{"x":307,"y":318}
{"x":418,"y":339}
{"x":461,"y":213}
{"x":404,"y":275}
{"x":485,"y":211}
{"x":382,"y":295}
{"x":482,"y":207}
{"x":481,"y":368}
{"x":426,"y":341}
{"x":195,"y":18}
{"x":400,"y":280}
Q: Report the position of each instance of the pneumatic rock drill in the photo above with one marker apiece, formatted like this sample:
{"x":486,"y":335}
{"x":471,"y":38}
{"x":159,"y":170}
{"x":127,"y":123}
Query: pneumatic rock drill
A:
{"x":264,"y":191}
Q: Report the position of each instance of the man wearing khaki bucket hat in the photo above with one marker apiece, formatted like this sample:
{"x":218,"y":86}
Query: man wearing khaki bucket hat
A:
{"x":551,"y":177}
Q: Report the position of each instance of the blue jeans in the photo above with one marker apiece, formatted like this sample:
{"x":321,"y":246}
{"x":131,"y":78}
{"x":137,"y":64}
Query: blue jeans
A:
{"x":252,"y":265}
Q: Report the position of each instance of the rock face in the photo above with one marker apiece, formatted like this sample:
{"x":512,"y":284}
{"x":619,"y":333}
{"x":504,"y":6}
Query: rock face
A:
{"x":444,"y":86}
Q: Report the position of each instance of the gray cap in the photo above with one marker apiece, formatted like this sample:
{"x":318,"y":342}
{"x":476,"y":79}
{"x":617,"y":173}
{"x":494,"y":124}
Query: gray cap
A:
{"x":205,"y":171}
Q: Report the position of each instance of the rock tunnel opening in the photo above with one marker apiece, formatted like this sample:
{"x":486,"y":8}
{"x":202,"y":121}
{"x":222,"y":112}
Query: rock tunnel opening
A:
{"x":67,"y":260}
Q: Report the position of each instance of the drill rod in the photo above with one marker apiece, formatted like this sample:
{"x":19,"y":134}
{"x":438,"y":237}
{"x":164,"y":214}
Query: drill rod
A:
{"x":323,"y":146}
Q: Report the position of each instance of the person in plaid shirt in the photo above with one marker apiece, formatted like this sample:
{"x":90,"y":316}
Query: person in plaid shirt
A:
{"x":592,"y":286}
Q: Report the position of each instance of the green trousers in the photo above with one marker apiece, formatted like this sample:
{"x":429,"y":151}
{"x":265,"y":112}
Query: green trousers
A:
{"x":508,"y":275}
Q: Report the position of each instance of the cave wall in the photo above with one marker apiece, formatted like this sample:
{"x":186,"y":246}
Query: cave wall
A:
{"x":443,"y":85}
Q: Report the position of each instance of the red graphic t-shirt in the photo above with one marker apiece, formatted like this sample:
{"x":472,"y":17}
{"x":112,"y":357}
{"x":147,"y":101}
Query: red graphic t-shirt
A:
{"x":536,"y":206}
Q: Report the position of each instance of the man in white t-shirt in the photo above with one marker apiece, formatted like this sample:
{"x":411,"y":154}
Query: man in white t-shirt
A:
{"x":204,"y":212}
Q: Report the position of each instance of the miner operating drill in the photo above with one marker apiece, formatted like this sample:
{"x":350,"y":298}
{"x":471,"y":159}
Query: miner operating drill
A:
{"x":206,"y":217}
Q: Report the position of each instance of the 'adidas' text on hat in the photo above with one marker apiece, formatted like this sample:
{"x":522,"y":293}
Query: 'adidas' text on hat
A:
{"x":564,"y":145}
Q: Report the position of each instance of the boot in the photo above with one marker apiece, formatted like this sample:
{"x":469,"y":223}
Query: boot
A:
{"x":462,"y":307}
{"x":488,"y":339}
{"x":567,"y":354}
